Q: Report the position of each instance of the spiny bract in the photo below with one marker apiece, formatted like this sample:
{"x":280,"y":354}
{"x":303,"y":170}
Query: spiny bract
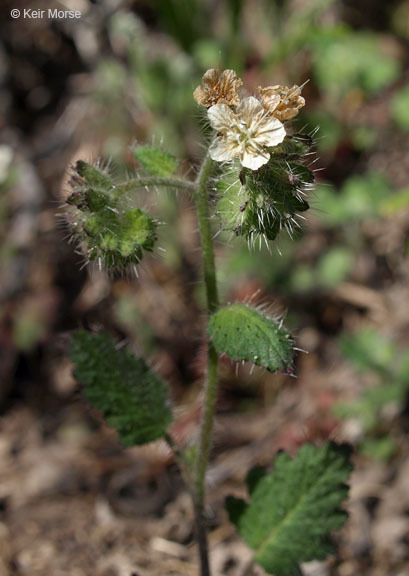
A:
{"x":263,"y":202}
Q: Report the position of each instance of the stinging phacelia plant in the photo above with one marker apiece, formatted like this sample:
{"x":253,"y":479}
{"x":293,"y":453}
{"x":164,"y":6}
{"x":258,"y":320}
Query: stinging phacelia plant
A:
{"x":260,"y":174}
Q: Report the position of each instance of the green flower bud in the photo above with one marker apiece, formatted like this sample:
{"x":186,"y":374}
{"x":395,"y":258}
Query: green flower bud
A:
{"x":263,"y":202}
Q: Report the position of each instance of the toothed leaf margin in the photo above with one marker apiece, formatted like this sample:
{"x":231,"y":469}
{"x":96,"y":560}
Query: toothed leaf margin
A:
{"x":293,"y":510}
{"x":131,"y":397}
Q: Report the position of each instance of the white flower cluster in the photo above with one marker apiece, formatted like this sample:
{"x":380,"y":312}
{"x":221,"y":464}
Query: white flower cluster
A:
{"x":246,"y":128}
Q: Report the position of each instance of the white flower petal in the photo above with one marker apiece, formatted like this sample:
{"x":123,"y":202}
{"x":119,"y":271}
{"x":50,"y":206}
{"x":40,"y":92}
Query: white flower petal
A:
{"x":254,"y":162}
{"x":250,"y":110}
{"x":221,"y":150}
{"x":246,"y":133}
{"x":270,"y":133}
{"x":221,"y":117}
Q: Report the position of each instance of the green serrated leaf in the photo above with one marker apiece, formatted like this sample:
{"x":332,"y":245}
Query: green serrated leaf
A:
{"x":293,"y":509}
{"x":132,"y":398}
{"x":245,"y":334}
{"x":155,"y":161}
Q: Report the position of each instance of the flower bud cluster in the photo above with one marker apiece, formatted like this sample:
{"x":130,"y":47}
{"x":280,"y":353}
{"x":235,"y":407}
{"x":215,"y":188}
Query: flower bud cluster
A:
{"x":108,"y":228}
{"x":259,"y":204}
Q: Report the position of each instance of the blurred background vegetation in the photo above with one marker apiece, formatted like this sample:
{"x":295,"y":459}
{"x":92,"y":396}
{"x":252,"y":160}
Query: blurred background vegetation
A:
{"x":124,"y":73}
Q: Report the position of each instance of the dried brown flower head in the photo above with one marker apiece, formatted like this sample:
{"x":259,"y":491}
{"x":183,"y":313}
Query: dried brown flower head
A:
{"x":218,"y":88}
{"x":282,"y":102}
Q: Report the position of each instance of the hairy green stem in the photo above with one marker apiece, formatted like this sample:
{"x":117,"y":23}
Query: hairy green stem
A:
{"x":158,"y":181}
{"x":210,"y":396}
{"x":181,"y":460}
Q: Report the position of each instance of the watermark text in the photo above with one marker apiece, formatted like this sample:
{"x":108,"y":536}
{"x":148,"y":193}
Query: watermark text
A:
{"x":50,"y":13}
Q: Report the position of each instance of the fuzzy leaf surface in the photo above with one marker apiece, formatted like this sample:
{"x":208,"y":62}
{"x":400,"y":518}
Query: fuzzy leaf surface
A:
{"x":155,"y":161}
{"x":293,"y":509}
{"x":132,"y":398}
{"x":243,"y":333}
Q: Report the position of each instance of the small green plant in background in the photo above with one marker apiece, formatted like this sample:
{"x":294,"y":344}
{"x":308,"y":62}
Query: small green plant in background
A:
{"x":259,"y":172}
{"x":400,"y":109}
{"x":359,"y":197}
{"x":377,"y":358}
